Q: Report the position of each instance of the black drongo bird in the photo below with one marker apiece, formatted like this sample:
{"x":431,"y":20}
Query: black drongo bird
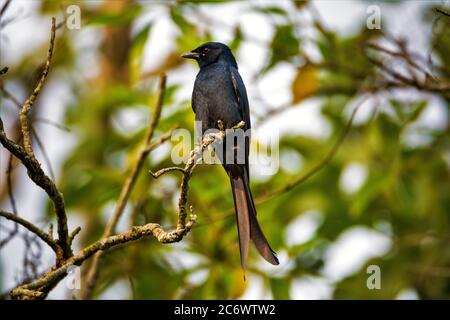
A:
{"x":220,"y":95}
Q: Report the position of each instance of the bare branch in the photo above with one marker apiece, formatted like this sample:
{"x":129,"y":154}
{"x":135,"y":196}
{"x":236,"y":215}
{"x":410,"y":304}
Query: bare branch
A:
{"x":403,"y":55}
{"x":26,"y":156}
{"x":126,"y":189}
{"x":3,"y":71}
{"x":34,"y":229}
{"x":432,"y":85}
{"x":159,"y":173}
{"x":73,"y":234}
{"x":36,"y":173}
{"x":10,"y":96}
{"x":38,"y":176}
{"x":52,"y":123}
{"x":442,"y":11}
{"x":23,"y":116}
{"x":12,"y":201}
{"x":37,"y":288}
{"x":39,"y":143}
{"x":161,"y":139}
{"x":4,"y":7}
{"x":129,"y":183}
{"x":188,"y":169}
{"x":44,"y":153}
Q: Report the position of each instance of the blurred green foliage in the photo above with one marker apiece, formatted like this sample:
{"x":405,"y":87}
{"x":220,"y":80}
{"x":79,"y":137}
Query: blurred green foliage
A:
{"x":407,"y":187}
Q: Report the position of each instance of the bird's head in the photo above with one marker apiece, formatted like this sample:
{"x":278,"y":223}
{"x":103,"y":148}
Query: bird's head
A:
{"x":211,"y":52}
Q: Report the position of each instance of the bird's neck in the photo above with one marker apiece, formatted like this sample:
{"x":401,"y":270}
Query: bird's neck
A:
{"x":227,"y":60}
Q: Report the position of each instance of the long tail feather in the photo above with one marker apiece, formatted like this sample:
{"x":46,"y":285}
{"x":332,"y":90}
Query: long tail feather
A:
{"x":242,"y":217}
{"x":248,"y":226}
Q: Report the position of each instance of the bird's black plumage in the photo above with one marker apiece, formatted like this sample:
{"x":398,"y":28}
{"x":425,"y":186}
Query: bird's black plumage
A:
{"x":219,"y":94}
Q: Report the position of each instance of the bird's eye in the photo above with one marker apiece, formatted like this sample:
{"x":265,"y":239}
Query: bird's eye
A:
{"x":205,"y":50}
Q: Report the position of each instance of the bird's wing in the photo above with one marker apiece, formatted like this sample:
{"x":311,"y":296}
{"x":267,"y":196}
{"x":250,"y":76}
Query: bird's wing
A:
{"x":241,"y":98}
{"x":193,"y":100}
{"x":241,"y":95}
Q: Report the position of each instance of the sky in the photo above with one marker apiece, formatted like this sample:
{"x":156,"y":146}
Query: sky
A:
{"x":354,"y":246}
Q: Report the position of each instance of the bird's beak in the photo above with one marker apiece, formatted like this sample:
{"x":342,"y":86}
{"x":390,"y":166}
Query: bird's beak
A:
{"x":191,"y":55}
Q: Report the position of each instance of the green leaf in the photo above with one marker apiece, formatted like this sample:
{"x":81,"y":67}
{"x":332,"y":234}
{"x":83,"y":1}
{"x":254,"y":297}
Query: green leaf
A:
{"x":299,"y":4}
{"x":280,"y":288}
{"x":399,"y":109}
{"x":137,"y":49}
{"x":51,"y":6}
{"x":237,"y":39}
{"x":368,"y":192}
{"x":408,"y":112}
{"x":285,"y":45}
{"x":272,"y":10}
{"x":126,"y":16}
{"x":201,"y":1}
{"x":417,"y":109}
{"x":189,"y":37}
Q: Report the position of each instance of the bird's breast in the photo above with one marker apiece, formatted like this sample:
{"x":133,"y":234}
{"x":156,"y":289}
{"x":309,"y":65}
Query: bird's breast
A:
{"x":214,"y":96}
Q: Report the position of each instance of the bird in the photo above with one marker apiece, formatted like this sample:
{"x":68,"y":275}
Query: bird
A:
{"x":219,"y":100}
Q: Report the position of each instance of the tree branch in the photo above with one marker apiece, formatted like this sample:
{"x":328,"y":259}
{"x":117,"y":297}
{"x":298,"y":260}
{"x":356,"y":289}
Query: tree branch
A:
{"x":37,"y":289}
{"x":26,"y":156}
{"x":12,"y":200}
{"x":4,"y":7}
{"x":442,"y":11}
{"x":73,"y":234}
{"x":23,"y":116}
{"x":38,"y":176}
{"x":126,"y":189}
{"x":431,"y":84}
{"x":3,"y":71}
{"x":34,"y":229}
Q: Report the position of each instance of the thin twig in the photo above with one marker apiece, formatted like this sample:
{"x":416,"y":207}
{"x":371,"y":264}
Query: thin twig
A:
{"x":27,"y":157}
{"x":44,"y":152}
{"x":34,"y":288}
{"x":23,"y":116}
{"x":188,"y":169}
{"x":442,"y":11}
{"x":128,"y":186}
{"x":38,"y":176}
{"x":4,"y":7}
{"x":161,"y":139}
{"x":38,"y":289}
{"x":52,"y":123}
{"x":73,"y":234}
{"x":12,"y":201}
{"x":126,"y":190}
{"x":159,"y":173}
{"x":39,"y":143}
{"x":403,"y":55}
{"x":435,"y":87}
{"x":10,"y":96}
{"x":34,"y":229}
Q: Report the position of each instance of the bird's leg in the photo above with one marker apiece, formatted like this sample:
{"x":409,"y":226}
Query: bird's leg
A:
{"x":221,"y":125}
{"x":240,"y":125}
{"x":218,"y":136}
